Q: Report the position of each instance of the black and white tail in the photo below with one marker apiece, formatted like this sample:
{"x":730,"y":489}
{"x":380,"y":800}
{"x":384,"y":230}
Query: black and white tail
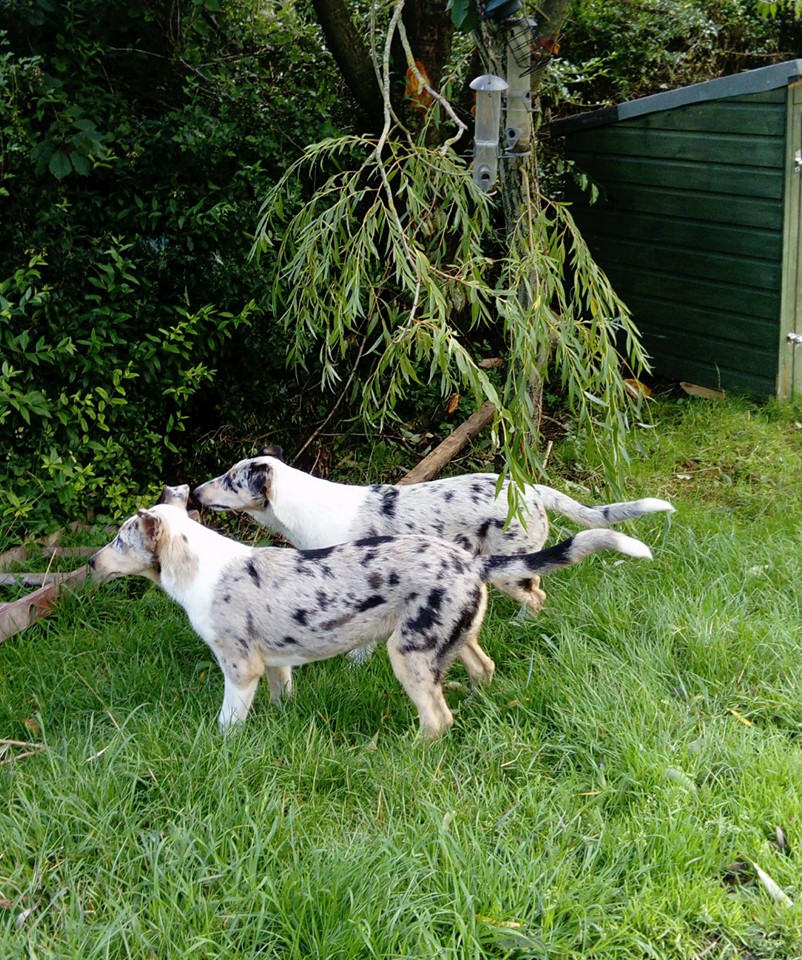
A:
{"x":604,"y":516}
{"x":518,"y":575}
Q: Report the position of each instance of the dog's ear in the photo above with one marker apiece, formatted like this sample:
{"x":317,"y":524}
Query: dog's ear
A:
{"x":150,"y":526}
{"x":176,"y":496}
{"x":271,"y":450}
{"x":260,"y":482}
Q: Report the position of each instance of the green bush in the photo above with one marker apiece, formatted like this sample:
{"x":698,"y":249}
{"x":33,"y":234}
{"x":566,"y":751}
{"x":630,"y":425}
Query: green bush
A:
{"x":135,"y":144}
{"x":612,"y":52}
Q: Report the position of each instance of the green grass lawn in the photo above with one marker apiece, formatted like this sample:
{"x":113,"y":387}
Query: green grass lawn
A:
{"x":606,"y":797}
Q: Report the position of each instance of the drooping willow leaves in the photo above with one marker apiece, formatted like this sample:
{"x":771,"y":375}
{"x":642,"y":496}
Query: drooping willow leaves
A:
{"x":389,"y":259}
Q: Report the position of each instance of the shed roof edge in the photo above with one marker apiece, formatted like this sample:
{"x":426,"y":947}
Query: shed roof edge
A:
{"x":736,"y":85}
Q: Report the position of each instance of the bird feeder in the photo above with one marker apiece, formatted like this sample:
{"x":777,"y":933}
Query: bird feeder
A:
{"x":501,"y":9}
{"x":519,"y":95}
{"x":489,"y":89}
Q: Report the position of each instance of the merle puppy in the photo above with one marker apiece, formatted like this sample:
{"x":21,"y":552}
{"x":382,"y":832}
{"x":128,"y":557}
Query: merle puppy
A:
{"x":465,"y":510}
{"x":265,"y":610}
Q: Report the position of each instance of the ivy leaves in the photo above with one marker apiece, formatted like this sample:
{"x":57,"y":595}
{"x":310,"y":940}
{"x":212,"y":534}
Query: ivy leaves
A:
{"x":464,"y":14}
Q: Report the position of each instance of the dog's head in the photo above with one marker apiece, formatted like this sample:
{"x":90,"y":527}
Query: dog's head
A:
{"x":136,"y":548}
{"x":248,"y":485}
{"x":271,"y":450}
{"x":177,"y":496}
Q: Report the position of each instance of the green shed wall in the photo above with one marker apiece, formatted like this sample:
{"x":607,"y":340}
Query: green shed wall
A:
{"x":689,"y":228}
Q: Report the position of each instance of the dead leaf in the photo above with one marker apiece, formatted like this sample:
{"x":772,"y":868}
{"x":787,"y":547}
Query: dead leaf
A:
{"x":550,"y":45}
{"x":694,"y":390}
{"x":636,"y":388}
{"x":453,"y":403}
{"x":744,"y":720}
{"x":6,"y":904}
{"x":503,"y":924}
{"x":32,"y":725}
{"x":22,"y":917}
{"x":490,"y":363}
{"x":774,"y":890}
{"x":417,"y":81}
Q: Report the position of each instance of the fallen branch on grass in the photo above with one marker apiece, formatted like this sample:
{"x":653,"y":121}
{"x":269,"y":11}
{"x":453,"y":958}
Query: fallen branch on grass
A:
{"x":434,"y":462}
{"x":20,"y":614}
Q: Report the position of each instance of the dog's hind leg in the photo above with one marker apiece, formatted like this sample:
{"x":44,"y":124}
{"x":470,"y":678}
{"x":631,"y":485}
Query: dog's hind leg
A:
{"x":416,"y":674}
{"x":279,"y":680}
{"x":527,"y":591}
{"x":479,"y":666}
{"x":531,"y":603}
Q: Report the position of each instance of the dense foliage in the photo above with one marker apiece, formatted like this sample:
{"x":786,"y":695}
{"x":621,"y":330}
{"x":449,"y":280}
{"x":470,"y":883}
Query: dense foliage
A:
{"x":620,"y":50}
{"x":136,"y":144}
{"x":135,"y":140}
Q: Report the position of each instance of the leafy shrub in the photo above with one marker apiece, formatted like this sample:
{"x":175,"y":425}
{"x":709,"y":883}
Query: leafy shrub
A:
{"x":619,"y":51}
{"x":135,"y":142}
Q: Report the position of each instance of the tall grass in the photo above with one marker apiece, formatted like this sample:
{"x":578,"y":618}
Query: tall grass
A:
{"x":606,"y":797}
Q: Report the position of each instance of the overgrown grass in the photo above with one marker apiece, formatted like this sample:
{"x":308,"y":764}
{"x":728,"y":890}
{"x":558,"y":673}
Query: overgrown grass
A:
{"x":641,"y":737}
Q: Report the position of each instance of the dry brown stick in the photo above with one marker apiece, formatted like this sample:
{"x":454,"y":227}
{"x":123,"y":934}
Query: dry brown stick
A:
{"x":23,"y":553}
{"x":17,"y":756}
{"x":434,"y":462}
{"x":31,"y":579}
{"x":14,"y":555}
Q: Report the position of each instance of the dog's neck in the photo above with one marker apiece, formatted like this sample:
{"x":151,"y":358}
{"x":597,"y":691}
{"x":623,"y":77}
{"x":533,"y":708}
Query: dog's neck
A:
{"x":308,"y":511}
{"x":190,"y":558}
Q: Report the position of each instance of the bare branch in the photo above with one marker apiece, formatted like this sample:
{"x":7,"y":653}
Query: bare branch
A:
{"x":413,"y":67}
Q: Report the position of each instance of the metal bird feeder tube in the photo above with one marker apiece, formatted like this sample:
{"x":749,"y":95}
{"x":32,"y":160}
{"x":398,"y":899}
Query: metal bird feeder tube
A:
{"x":489,"y":89}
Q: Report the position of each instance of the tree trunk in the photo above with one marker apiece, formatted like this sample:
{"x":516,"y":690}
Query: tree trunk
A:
{"x":352,"y":57}
{"x":520,"y":190}
{"x":430,"y":32}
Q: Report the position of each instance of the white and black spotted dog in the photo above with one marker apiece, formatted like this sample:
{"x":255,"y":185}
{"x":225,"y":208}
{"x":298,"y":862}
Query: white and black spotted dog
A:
{"x":465,"y":510}
{"x":265,"y":610}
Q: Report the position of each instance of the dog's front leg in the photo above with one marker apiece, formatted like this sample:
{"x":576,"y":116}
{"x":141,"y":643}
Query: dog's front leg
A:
{"x":237,"y":701}
{"x":279,"y":680}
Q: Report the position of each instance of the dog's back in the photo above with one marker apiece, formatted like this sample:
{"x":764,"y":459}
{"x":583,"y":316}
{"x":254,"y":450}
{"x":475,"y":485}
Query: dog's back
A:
{"x":463,"y":510}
